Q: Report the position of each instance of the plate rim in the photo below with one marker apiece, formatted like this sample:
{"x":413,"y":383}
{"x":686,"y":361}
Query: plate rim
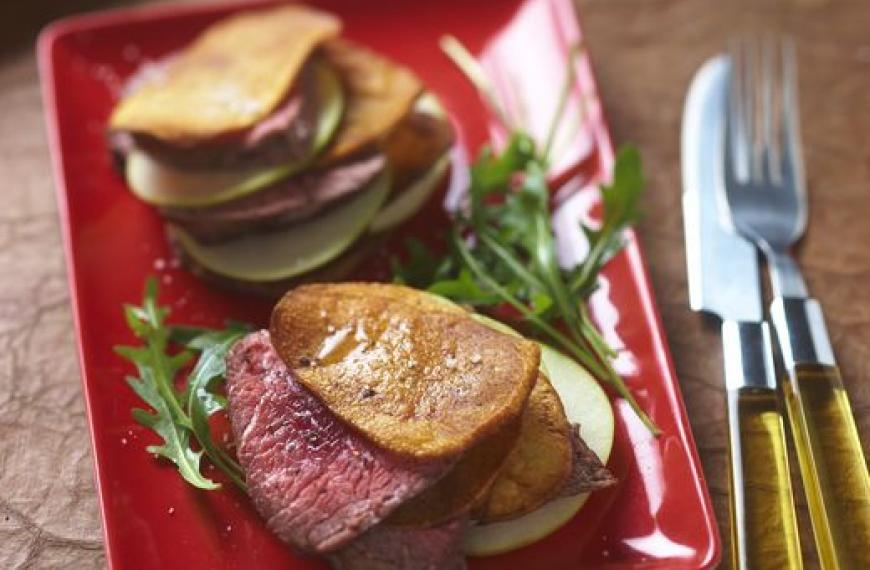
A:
{"x":568,"y":21}
{"x":640,"y":272}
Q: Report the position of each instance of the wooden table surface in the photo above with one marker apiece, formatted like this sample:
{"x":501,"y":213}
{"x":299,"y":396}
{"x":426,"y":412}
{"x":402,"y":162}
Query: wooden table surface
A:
{"x":645,"y":53}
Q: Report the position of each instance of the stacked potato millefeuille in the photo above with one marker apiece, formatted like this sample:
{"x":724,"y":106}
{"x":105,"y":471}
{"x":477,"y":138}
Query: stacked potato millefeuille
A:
{"x":385,"y":427}
{"x":277,"y":150}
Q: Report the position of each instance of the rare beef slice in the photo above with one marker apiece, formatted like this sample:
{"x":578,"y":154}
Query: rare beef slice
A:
{"x":284,"y":203}
{"x":317,"y":483}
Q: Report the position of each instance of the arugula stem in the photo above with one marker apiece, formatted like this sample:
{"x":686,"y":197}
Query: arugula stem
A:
{"x":514,"y":235}
{"x":597,"y":356}
{"x":545,"y":255}
{"x":592,"y":333}
{"x":472,"y":70}
{"x":554,"y":333}
{"x":614,"y":380}
{"x":510,"y":260}
{"x":592,"y":261}
{"x":163,"y":379}
{"x":564,"y":95}
{"x":604,"y":354}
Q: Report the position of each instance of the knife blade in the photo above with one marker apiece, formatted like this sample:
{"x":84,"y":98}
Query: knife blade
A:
{"x":724,"y":281}
{"x":715,"y":256}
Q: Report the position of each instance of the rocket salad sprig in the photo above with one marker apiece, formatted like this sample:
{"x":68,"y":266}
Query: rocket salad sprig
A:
{"x":179,"y":415}
{"x":502,"y":249}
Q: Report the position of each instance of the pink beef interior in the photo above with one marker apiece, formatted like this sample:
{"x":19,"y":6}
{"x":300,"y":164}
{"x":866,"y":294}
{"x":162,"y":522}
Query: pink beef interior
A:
{"x":286,"y":134}
{"x":295,"y":199}
{"x":587,"y":472}
{"x":317,"y":483}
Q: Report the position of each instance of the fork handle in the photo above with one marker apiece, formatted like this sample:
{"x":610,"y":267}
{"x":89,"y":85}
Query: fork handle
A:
{"x":832,"y":464}
{"x":764,"y":533}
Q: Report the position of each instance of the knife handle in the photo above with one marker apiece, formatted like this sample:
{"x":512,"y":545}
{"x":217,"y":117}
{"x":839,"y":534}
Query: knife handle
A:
{"x":831,"y":459}
{"x":764,"y":533}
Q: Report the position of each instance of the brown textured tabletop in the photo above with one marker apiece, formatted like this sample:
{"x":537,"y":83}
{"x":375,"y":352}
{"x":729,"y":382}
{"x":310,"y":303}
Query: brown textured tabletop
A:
{"x":644,"y":52}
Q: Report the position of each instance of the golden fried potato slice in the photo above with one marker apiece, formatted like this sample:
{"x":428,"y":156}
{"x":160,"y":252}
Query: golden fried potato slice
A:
{"x":465,"y":486}
{"x":379,"y":94}
{"x":417,"y":142}
{"x":232,"y":76}
{"x":410,"y":370}
{"x":539,"y":464}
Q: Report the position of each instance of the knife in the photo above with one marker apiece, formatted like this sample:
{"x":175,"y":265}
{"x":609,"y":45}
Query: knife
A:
{"x":724,"y":281}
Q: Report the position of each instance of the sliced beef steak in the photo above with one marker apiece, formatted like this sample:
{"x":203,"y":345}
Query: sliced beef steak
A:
{"x":402,"y":548}
{"x":588,"y":473}
{"x":288,"y":201}
{"x":286,"y":134}
{"x":317,"y":483}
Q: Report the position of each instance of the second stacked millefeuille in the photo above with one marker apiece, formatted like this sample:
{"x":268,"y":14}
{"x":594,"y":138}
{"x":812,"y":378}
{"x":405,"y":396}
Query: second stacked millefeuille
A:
{"x":274,"y":148}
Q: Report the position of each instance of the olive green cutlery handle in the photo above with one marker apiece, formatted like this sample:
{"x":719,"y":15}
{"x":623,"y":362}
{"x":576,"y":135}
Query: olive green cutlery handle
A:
{"x":832,"y":463}
{"x":764,"y":532}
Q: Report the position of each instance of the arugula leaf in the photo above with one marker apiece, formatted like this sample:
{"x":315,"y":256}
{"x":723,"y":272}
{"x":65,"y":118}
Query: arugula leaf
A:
{"x":176,"y":446}
{"x":184,"y":334}
{"x":180,"y":417}
{"x":503,"y":249}
{"x":421,"y":266}
{"x":619,"y":200}
{"x":463,"y":289}
{"x":202,"y":401}
{"x":155,"y":386}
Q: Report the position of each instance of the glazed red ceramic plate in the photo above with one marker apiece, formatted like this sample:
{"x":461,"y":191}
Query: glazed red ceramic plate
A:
{"x":659,"y":516}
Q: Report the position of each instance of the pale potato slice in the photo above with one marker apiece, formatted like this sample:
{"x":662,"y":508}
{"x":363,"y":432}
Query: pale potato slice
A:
{"x":585,"y":404}
{"x":415,"y":374}
{"x":500,"y":537}
{"x":232,"y":76}
{"x":583,"y":398}
{"x":411,"y":199}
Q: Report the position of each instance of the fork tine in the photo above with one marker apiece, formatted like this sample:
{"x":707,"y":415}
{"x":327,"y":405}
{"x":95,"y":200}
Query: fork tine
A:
{"x":789,"y":114}
{"x":769,"y":147}
{"x":752,"y":78}
{"x":736,"y":117}
{"x":791,"y":155}
{"x":762,"y":137}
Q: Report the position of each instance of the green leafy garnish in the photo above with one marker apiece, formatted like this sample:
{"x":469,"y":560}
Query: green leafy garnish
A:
{"x":179,"y":414}
{"x":502,"y":250}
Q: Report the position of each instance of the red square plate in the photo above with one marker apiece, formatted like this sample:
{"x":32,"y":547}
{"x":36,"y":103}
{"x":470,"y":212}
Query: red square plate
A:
{"x":659,"y":516}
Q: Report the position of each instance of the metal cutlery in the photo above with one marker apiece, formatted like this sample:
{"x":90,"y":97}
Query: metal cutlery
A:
{"x":724,"y":281}
{"x":764,"y":188}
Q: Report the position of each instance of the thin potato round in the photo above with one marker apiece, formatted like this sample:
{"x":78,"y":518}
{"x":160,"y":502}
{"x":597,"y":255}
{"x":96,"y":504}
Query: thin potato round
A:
{"x":538,"y":465}
{"x":379,"y":94}
{"x":464,"y":486}
{"x":586,"y":405}
{"x":410,"y":370}
{"x":232,"y":76}
{"x":418,"y":152}
{"x":417,"y":142}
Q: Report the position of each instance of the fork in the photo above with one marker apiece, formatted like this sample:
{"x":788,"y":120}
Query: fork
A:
{"x":764,"y":189}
